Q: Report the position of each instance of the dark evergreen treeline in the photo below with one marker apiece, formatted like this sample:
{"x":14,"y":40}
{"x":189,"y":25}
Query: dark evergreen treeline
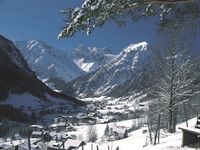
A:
{"x":15,"y":114}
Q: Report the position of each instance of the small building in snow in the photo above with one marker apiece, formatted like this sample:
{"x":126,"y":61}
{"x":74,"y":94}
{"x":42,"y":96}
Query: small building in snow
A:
{"x":119,"y":132}
{"x":87,"y":120}
{"x":41,"y":135}
{"x":67,"y":119}
{"x":69,"y":144}
{"x":36,"y":127}
{"x":61,"y":126}
{"x":37,"y":134}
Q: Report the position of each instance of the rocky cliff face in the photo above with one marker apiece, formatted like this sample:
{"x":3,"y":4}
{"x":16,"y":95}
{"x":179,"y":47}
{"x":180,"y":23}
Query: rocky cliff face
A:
{"x":91,"y":58}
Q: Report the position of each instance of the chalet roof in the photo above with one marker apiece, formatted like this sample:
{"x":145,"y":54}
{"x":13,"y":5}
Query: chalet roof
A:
{"x":36,"y":126}
{"x":190,"y":130}
{"x":119,"y":129}
{"x":66,"y":117}
{"x":60,"y":124}
{"x":37,"y":133}
{"x":59,"y":135}
{"x":87,"y":118}
{"x":54,"y":144}
{"x":71,"y":143}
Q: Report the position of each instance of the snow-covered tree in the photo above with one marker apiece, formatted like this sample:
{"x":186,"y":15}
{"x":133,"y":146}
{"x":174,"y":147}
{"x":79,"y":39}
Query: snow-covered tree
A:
{"x":95,"y":13}
{"x":175,"y":83}
{"x":91,"y":134}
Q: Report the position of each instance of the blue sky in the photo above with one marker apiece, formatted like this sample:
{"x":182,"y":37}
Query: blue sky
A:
{"x":39,"y":19}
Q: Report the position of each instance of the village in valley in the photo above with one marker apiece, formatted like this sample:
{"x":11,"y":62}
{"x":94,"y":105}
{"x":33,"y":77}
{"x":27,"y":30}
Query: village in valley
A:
{"x":83,"y":132}
{"x":73,"y":133}
{"x":99,"y":75}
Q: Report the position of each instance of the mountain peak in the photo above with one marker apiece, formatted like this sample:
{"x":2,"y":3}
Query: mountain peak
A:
{"x":48,"y":62}
{"x":142,"y":46}
{"x":33,"y":44}
{"x":116,"y":76}
{"x":90,"y":58}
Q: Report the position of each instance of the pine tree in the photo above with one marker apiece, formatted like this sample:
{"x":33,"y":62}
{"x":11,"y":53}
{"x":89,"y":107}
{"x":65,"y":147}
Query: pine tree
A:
{"x":107,"y":131}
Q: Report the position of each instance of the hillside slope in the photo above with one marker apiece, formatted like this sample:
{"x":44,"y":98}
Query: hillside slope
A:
{"x":17,"y":78}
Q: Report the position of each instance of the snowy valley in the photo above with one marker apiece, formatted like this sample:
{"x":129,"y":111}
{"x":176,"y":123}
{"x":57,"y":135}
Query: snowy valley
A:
{"x":100,"y":75}
{"x":115,"y":98}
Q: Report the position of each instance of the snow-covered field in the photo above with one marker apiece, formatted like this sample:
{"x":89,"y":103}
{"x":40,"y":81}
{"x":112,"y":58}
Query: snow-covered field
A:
{"x":23,"y":100}
{"x":106,"y":105}
{"x":29,"y":103}
{"x":82,"y":131}
{"x":137,"y":141}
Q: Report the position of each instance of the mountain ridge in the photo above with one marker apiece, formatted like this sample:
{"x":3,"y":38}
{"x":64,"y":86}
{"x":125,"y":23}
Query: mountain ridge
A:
{"x":57,"y":67}
{"x":115,"y":77}
{"x":17,"y":77}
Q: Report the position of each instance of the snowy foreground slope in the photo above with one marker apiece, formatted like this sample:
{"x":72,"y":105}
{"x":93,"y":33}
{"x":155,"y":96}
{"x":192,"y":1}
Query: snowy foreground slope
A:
{"x":137,"y":141}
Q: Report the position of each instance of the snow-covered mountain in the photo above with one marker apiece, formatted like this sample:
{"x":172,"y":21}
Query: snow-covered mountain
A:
{"x":91,"y":58}
{"x":123,"y":74}
{"x":57,"y":67}
{"x":50,"y":64}
{"x":16,"y":78}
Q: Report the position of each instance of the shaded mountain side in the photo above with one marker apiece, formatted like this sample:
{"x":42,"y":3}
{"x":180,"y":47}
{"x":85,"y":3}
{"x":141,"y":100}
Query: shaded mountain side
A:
{"x":17,"y":77}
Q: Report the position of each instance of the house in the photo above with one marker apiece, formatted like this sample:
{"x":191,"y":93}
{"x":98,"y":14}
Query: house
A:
{"x":64,"y":123}
{"x":73,"y":120}
{"x":11,"y":145}
{"x":61,"y":126}
{"x":37,"y":134}
{"x":88,"y":120}
{"x":69,"y":144}
{"x":60,"y":136}
{"x":33,"y":144}
{"x":67,"y":119}
{"x":198,"y":123}
{"x":119,"y":132}
{"x":190,"y":136}
{"x":36,"y":127}
{"x":41,"y":135}
{"x":59,"y":119}
{"x":54,"y":145}
{"x":72,"y":144}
